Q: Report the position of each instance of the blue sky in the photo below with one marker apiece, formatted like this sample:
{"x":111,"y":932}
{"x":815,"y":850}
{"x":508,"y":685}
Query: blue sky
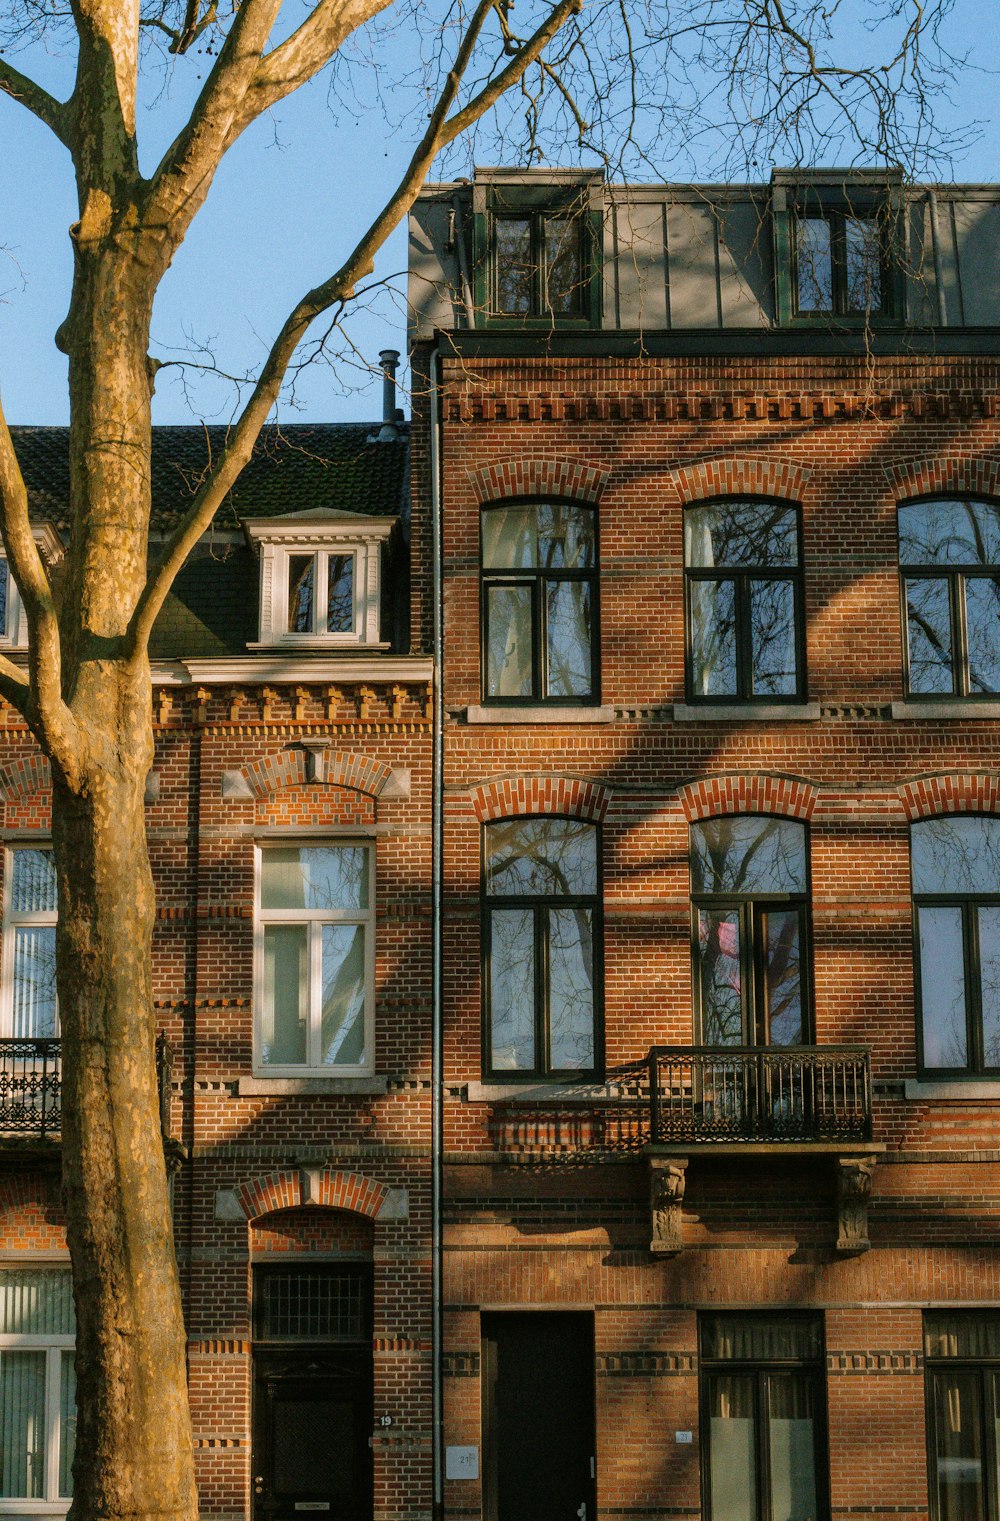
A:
{"x":287,"y":204}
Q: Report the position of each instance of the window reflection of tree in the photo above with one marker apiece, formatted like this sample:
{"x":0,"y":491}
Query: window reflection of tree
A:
{"x":949,"y":554}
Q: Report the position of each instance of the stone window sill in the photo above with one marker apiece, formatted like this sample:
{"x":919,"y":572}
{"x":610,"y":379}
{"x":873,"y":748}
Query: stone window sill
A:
{"x":540,"y":713}
{"x":955,"y":709}
{"x":309,"y":1087}
{"x":745,"y":712}
{"x":960,"y":1089}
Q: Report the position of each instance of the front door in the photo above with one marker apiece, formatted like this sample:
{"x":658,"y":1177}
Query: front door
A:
{"x":538,"y":1387}
{"x":312,"y":1424}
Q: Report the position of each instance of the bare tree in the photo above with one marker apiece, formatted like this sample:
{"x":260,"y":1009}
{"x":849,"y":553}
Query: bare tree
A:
{"x":86,"y":690}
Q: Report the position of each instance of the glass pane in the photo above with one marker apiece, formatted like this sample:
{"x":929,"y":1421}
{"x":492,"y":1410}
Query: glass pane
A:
{"x":301,"y":593}
{"x":555,"y":857}
{"x":761,"y":1338}
{"x":36,"y":1301}
{"x":569,"y":639}
{"x":791,"y":1421}
{"x":815,"y":264}
{"x":343,"y":1011}
{"x":514,"y":265}
{"x":508,"y":656}
{"x":512,"y":989}
{"x":960,"y":854}
{"x":283,"y":1036}
{"x":746,"y":853}
{"x":340,"y":594}
{"x":510,"y":538}
{"x":571,"y":989}
{"x":958,"y":1333}
{"x":543,"y":535}
{"x":942,"y":987}
{"x":732,"y":1449}
{"x":783,"y":977}
{"x":22,"y":1425}
{"x":989,"y":969}
{"x":928,"y":632}
{"x":312,"y":1304}
{"x":863,"y":261}
{"x":563,"y":284}
{"x":772,"y":634}
{"x":713,"y":638}
{"x":4,"y":588}
{"x":314,"y":877}
{"x":982,"y":622}
{"x":67,"y":1423}
{"x":33,"y":887}
{"x":743,"y":534}
{"x":949,"y":532}
{"x":35,"y":982}
{"x":313,"y":1444}
{"x":719,"y":977}
{"x":958,"y":1451}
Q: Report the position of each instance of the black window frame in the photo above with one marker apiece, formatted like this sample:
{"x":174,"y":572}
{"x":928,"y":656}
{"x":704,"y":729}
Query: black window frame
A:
{"x":537,"y":578}
{"x":742,"y":576}
{"x":361,"y":1273}
{"x":539,"y":904}
{"x":837,"y":196}
{"x":750,"y":906}
{"x":523,"y":198}
{"x":956,"y":577}
{"x":813,"y":1368}
{"x":969,"y":903}
{"x":984,"y":1365}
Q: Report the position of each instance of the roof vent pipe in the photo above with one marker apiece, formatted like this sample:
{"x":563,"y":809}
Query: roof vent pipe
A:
{"x":389,"y":432}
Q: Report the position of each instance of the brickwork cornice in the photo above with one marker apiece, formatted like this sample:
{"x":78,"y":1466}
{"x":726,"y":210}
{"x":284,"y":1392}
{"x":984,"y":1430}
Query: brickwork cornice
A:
{"x":582,"y":406}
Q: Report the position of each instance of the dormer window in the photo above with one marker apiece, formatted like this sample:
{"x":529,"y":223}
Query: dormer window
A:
{"x":838,"y":247}
{"x":321,"y":578}
{"x":538,"y":240}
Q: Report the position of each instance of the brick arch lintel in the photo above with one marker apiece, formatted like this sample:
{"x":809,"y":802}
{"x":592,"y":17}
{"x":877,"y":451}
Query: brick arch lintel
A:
{"x":22,"y":777}
{"x":928,"y":797}
{"x":979,"y":476}
{"x":513,"y":796}
{"x":524,"y":476}
{"x":741,"y":475}
{"x":326,"y":1188}
{"x":291,"y":768}
{"x":748,"y":792}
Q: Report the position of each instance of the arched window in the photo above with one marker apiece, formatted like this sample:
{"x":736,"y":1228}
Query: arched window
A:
{"x":541,"y":946}
{"x":745,"y":626}
{"x":539,"y":603}
{"x":749,"y":899}
{"x":949,"y":562}
{"x":956,"y":901}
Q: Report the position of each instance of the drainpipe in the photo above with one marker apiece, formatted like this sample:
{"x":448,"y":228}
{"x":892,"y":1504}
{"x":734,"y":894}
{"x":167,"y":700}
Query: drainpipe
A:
{"x":437,"y":1021}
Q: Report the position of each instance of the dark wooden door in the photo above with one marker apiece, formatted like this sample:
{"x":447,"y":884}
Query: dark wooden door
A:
{"x":538,"y":1389}
{"x":312,"y":1424}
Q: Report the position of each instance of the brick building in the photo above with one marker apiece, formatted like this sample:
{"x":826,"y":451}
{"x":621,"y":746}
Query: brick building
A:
{"x":716,"y":471}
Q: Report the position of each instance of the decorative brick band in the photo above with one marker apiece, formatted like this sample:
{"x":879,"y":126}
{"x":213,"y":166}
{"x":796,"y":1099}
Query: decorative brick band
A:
{"x":748,"y":792}
{"x":511,"y":796}
{"x":974,"y":477}
{"x":645,"y":1364}
{"x":742,"y":475}
{"x":713,"y":406}
{"x":292,"y":1188}
{"x":30,"y":774}
{"x":539,"y":477}
{"x":954,"y":792}
{"x":290,"y":768}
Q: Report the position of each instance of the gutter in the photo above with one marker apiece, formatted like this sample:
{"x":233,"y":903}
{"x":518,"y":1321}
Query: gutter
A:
{"x":437,"y":850}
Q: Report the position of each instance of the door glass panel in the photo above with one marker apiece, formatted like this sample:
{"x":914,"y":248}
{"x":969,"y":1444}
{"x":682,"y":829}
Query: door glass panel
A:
{"x":713,"y":638}
{"x":928,"y":622}
{"x":512,"y":989}
{"x":301,"y":593}
{"x":782,"y":977}
{"x":982,"y":619}
{"x":942,"y":987}
{"x":311,"y":1304}
{"x":22,"y":1425}
{"x":732,"y":1449}
{"x":571,"y":991}
{"x":989,"y":964}
{"x":313,"y":1445}
{"x":569,"y":638}
{"x":772,"y":635}
{"x":35,"y":981}
{"x":815,"y":265}
{"x":792,"y":1447}
{"x":340,"y":594}
{"x":720,"y":977}
{"x":283,"y":1037}
{"x":508,"y":656}
{"x":958,"y":1456}
{"x":514,"y":265}
{"x":67,"y":1423}
{"x":343,"y":1011}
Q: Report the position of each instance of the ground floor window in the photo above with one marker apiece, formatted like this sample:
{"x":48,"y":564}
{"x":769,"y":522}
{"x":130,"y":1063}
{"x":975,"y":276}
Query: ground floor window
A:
{"x":962,"y":1350}
{"x":763,"y":1417}
{"x":37,"y":1389}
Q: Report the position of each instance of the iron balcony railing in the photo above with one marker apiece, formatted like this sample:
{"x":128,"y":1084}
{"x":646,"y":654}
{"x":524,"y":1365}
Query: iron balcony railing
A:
{"x":31,"y":1087}
{"x":759,"y":1094}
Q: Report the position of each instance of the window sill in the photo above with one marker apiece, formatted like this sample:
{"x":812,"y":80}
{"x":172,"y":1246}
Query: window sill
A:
{"x":955,"y":708}
{"x":309,"y":1087}
{"x":540,"y":713}
{"x":958,"y":1089}
{"x":746,"y":712}
{"x":317,"y":642}
{"x":557,"y":1093}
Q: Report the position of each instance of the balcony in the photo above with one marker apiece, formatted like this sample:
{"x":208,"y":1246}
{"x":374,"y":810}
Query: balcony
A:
{"x":31,"y":1089}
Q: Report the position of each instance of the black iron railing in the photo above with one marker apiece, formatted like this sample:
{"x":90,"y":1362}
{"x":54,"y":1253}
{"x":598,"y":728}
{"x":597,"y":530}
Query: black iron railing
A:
{"x":31,"y":1087}
{"x":759,"y":1093}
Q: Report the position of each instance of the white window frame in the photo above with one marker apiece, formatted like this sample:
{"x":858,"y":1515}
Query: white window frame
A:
{"x":11,"y":923}
{"x":314,"y":1067}
{"x":53,"y":1346}
{"x":305,"y":534}
{"x":15,"y":634}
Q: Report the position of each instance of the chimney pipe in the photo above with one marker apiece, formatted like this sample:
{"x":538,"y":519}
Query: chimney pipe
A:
{"x":389,"y":359}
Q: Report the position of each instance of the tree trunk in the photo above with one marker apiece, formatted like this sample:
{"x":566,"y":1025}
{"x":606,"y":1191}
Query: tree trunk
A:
{"x":133,"y":1449}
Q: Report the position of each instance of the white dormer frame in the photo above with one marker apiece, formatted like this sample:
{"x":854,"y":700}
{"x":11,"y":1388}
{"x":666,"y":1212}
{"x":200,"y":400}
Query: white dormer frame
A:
{"x":14,"y":633}
{"x":320,"y":533}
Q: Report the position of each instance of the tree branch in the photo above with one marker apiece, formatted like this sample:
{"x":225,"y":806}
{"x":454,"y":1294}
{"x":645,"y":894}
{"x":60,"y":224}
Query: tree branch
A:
{"x":31,"y":95}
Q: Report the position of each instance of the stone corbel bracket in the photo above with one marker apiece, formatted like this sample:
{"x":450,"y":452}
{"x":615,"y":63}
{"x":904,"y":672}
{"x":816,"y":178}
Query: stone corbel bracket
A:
{"x":666,"y":1200}
{"x":854,"y":1190}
